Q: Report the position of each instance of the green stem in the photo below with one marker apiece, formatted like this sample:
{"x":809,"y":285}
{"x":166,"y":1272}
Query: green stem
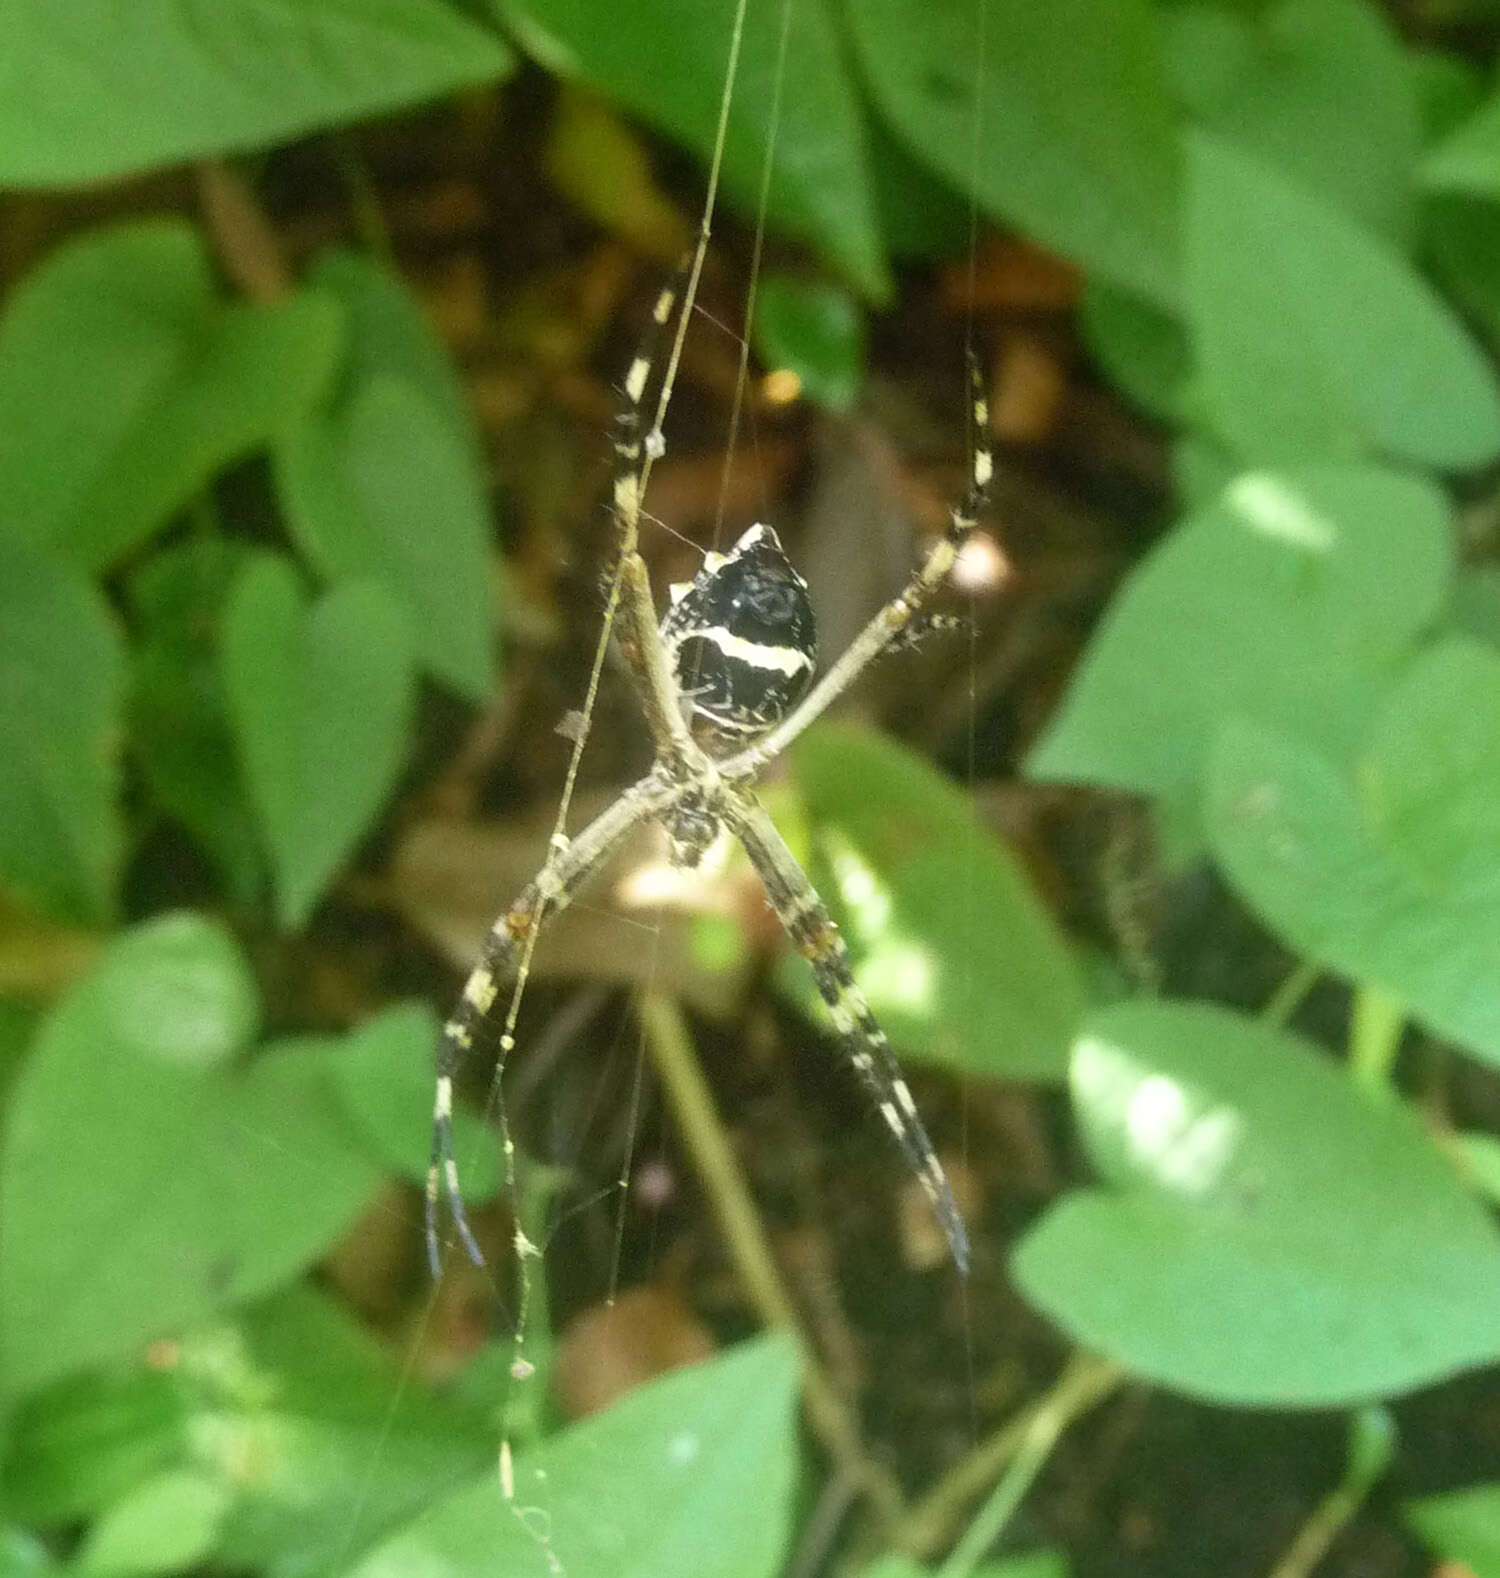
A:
{"x":1086,"y":1381}
{"x":1372,"y":1440}
{"x":1374,"y":1036}
{"x":676,"y":1061}
{"x":1287,"y":997}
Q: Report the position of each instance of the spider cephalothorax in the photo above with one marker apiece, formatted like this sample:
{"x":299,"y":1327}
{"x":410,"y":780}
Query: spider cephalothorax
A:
{"x":741,"y":639}
{"x":725,"y":681}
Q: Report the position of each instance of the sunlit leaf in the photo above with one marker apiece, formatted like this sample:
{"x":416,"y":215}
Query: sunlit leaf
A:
{"x":1277,"y":603}
{"x":961,"y":963}
{"x":1267,"y":1235}
{"x":690,"y":1475}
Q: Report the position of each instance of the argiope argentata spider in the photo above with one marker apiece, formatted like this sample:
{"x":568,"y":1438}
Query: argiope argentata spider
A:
{"x":725,"y":682}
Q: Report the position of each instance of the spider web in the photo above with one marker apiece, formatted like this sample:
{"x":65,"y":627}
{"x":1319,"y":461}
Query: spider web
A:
{"x":536,"y":1518}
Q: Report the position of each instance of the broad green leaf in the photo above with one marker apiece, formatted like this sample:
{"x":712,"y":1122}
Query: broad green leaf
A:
{"x":1391,"y":875}
{"x":1468,"y":160}
{"x":383,"y":1075}
{"x":125,"y":384}
{"x":690,"y":1475}
{"x":665,"y":60}
{"x":1267,"y":1236}
{"x":164,"y":1525}
{"x":86,"y":1441}
{"x":1462,"y":1526}
{"x":960,"y":962}
{"x":1449,"y":87}
{"x":320,"y":697}
{"x":343,"y":1444}
{"x":61,"y":698}
{"x":386,"y":480}
{"x":1279,"y":603}
{"x":816,"y":331}
{"x":1294,"y":309}
{"x":143,"y":1183}
{"x":91,"y":89}
{"x":179,"y":726}
{"x":1141,"y":348}
{"x":347,"y":1445}
{"x":1321,"y":89}
{"x":1075,"y":144}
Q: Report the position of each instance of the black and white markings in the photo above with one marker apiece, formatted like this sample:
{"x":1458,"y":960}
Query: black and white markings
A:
{"x":740,"y":637}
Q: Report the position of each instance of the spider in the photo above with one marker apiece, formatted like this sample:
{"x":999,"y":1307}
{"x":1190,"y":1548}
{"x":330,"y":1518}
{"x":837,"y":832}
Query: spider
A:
{"x":725,"y":679}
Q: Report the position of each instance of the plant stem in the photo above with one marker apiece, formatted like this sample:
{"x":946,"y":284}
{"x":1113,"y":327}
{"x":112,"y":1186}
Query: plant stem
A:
{"x":1287,"y":997}
{"x":1374,"y":1036}
{"x":1372,"y":1438}
{"x":676,"y":1061}
{"x":1086,"y":1381}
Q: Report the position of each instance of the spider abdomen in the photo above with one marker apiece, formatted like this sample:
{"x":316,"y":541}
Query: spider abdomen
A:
{"x":741,"y":636}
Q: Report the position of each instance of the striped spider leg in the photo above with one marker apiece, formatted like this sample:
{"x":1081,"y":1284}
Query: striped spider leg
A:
{"x":725,"y":682}
{"x":806,"y":921}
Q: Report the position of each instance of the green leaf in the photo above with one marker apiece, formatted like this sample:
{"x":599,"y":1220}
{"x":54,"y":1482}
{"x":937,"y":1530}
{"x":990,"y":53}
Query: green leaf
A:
{"x":165,"y":1524}
{"x":346,"y":1447}
{"x":690,"y":1475}
{"x":125,"y":384}
{"x":179,"y":723}
{"x":1468,"y":160}
{"x":142,"y":1183}
{"x":815,"y":330}
{"x":665,"y":61}
{"x":1141,"y":348}
{"x":92,"y":90}
{"x":1462,"y":1526}
{"x":343,"y":1445}
{"x":387,"y":480}
{"x":86,"y":1441}
{"x":321,"y":700}
{"x":383,"y":1075}
{"x":959,"y":960}
{"x":61,"y":696}
{"x":1269,"y":1236}
{"x":1076,"y":146}
{"x":1279,"y":603}
{"x":1391,"y":875}
{"x":1294,"y":309}
{"x":1321,"y":89}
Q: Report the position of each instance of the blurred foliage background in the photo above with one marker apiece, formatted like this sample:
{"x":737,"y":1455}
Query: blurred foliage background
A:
{"x":1174,"y":872}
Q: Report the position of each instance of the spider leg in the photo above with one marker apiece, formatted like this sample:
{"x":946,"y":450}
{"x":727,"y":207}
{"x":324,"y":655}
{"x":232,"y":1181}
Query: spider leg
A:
{"x":567,"y":867}
{"x":817,"y":939}
{"x":897,"y":615}
{"x":635,"y":450}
